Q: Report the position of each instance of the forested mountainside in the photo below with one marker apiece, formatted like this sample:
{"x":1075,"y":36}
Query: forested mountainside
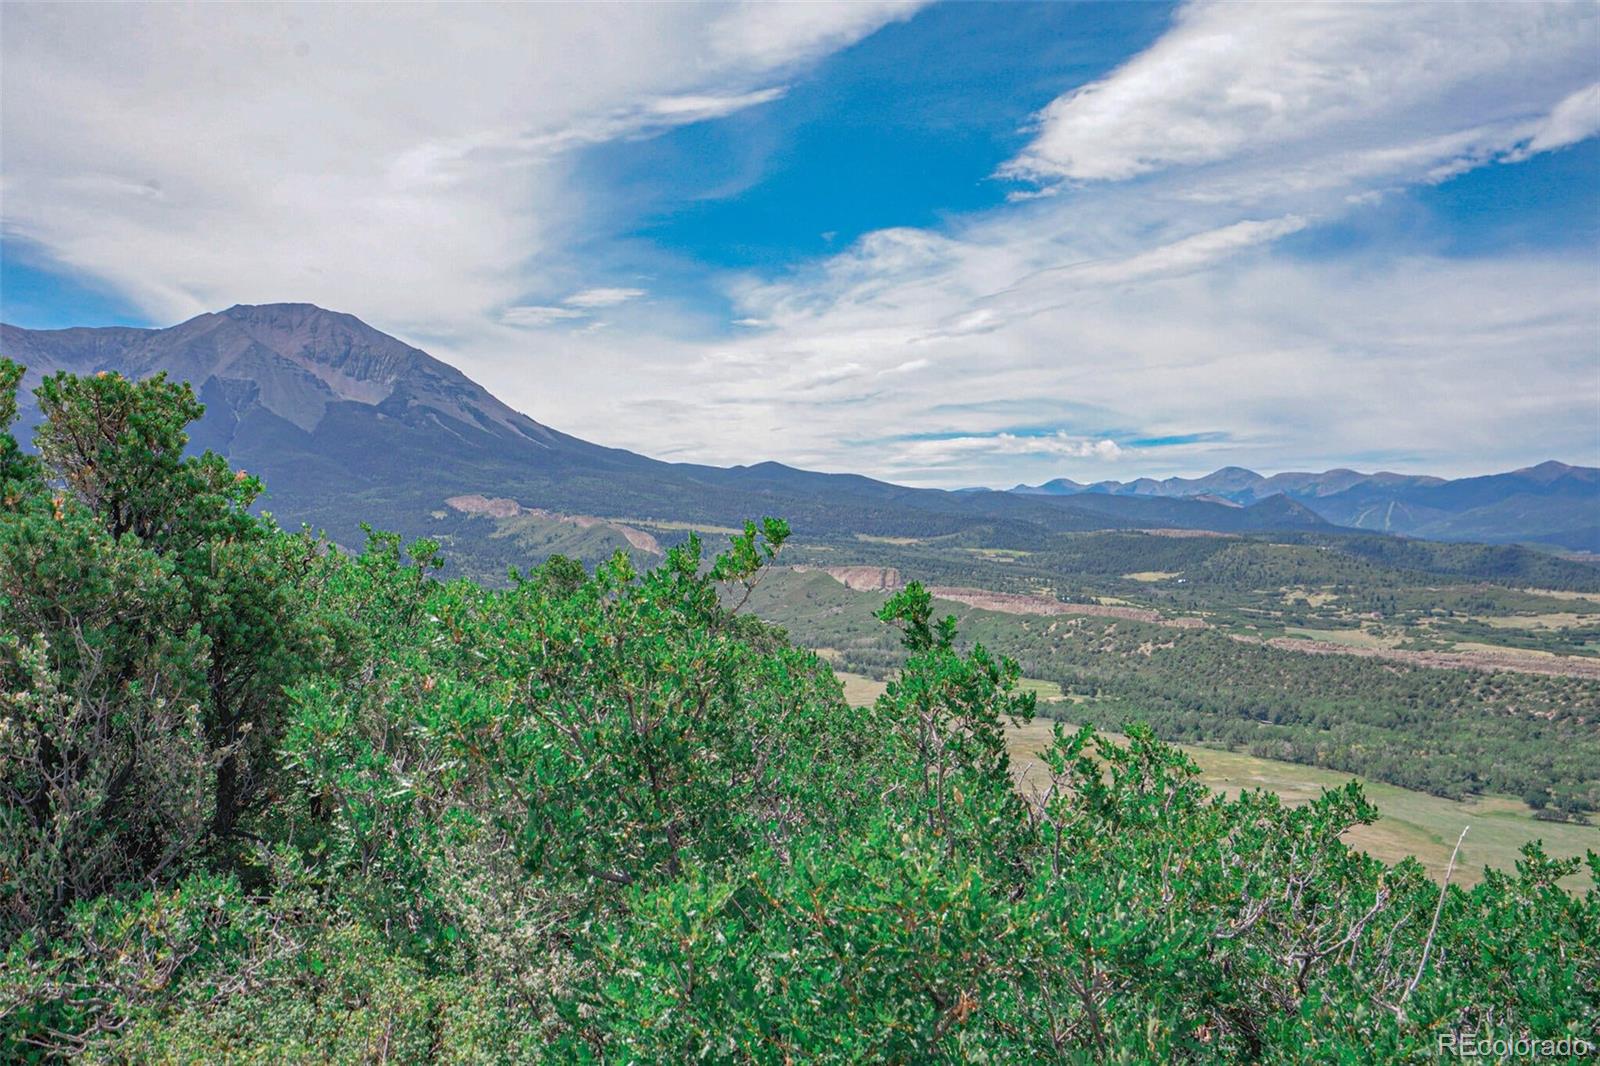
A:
{"x":263,"y":796}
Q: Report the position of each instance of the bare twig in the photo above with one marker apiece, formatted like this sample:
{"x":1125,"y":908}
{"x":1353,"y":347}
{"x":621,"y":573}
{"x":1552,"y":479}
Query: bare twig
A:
{"x":1427,"y":946}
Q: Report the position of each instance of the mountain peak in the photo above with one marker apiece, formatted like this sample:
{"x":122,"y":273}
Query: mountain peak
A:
{"x":281,"y":306}
{"x":293,"y":361}
{"x":299,"y":316}
{"x":1547,"y":471}
{"x":285,"y":307}
{"x":310,"y":318}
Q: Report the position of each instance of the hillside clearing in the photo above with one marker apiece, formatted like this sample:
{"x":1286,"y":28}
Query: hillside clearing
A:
{"x":1412,"y":823}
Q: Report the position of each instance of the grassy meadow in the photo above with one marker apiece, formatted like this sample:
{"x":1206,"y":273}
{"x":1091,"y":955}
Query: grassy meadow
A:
{"x":1413,"y":823}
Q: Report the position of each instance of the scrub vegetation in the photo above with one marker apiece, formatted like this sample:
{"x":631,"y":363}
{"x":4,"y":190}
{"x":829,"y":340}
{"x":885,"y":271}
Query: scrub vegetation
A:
{"x":265,"y":801}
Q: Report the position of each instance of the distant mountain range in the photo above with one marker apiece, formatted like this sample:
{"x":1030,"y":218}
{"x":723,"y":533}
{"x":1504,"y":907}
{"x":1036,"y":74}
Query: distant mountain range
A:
{"x":1551,"y":503}
{"x":348,"y":424}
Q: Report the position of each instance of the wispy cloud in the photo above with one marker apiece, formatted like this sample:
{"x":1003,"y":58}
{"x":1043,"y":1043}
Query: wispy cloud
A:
{"x":703,"y":108}
{"x":536,"y":315}
{"x":777,"y":34}
{"x":579,"y":306}
{"x":1335,"y":81}
{"x":961,"y":450}
{"x":602,"y":297}
{"x":1577,"y":118}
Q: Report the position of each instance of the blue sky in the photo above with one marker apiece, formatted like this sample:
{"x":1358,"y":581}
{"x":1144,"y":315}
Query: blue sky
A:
{"x":39,"y":293}
{"x":905,"y":129}
{"x":944,"y":244}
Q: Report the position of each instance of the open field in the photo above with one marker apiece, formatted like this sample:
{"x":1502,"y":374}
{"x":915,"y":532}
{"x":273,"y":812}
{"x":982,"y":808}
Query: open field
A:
{"x":1319,"y":598}
{"x":1355,"y":638}
{"x":1046,"y":691}
{"x":1562,"y":594}
{"x":1412,"y":823}
{"x":861,"y":690}
{"x":1004,"y":555}
{"x":1470,"y":655}
{"x":1550,"y":620}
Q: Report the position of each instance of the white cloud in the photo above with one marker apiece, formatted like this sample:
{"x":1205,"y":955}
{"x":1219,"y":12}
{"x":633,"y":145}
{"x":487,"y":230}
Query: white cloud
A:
{"x":702,"y":108}
{"x":1161,"y":307}
{"x":1185,"y":254}
{"x":579,"y":305}
{"x":1321,"y":87}
{"x":1427,"y":363}
{"x":602,"y":297}
{"x":954,"y":451}
{"x":408,"y":164}
{"x":645,"y":118}
{"x":774,"y":34}
{"x":536,"y":315}
{"x":1577,"y":118}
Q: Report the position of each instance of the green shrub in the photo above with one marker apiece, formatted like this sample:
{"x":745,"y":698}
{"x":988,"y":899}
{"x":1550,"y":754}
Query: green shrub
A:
{"x":264,"y":802}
